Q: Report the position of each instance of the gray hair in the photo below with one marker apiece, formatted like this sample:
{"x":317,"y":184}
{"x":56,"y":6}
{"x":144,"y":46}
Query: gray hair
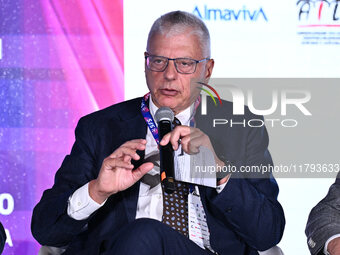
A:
{"x":177,"y":22}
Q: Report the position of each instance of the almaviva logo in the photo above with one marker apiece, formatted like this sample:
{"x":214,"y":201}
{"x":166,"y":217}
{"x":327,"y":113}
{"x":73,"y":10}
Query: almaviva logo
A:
{"x":226,"y":14}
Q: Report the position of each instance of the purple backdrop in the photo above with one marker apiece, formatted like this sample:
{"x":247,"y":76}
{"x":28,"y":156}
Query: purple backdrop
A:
{"x":59,"y":60}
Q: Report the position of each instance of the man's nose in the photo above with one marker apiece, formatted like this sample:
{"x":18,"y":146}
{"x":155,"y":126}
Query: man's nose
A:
{"x":170,"y":73}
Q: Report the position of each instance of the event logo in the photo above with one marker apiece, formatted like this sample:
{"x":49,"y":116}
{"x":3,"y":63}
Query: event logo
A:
{"x":318,"y":10}
{"x":243,"y":14}
{"x":318,"y":22}
{"x":7,"y":208}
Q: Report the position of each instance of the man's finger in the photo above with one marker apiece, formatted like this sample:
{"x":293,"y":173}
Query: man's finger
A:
{"x":125,"y":151}
{"x":110,"y":163}
{"x":126,"y":158}
{"x":134,"y":143}
{"x":142,"y":170}
{"x":165,"y":140}
{"x":192,"y":142}
{"x":179,"y":132}
{"x":188,"y":146}
{"x":175,"y":135}
{"x":135,"y":147}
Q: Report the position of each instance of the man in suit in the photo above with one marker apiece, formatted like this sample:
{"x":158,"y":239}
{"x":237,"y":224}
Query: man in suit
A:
{"x":100,"y":204}
{"x":323,"y":226}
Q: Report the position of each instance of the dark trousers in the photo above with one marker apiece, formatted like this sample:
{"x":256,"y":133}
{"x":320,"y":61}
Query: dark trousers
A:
{"x":147,"y":236}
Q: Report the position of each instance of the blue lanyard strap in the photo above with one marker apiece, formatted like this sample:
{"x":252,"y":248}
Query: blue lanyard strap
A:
{"x":148,"y":118}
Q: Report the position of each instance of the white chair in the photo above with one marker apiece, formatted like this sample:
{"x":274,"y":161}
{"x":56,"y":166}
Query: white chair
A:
{"x":48,"y":250}
{"x":272,"y":251}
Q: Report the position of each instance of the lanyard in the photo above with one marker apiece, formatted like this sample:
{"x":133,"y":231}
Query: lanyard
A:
{"x":148,"y":118}
{"x":150,"y":121}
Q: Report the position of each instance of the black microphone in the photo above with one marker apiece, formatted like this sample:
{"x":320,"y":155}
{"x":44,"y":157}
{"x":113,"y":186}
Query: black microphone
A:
{"x":164,"y":117}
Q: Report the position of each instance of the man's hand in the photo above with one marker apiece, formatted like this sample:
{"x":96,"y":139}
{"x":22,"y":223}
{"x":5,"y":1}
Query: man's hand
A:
{"x":334,"y":246}
{"x":116,"y":173}
{"x":191,"y":140}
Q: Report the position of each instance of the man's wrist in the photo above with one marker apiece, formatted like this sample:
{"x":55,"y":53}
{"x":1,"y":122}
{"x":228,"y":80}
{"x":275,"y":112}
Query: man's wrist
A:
{"x":333,"y":246}
{"x":222,"y":176}
{"x":81,"y":205}
{"x":95,"y":194}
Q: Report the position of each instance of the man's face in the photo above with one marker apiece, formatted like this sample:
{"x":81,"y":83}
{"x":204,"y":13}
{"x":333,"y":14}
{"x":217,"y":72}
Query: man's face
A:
{"x":170,"y":88}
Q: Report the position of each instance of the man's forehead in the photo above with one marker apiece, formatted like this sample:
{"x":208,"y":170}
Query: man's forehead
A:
{"x":174,"y":31}
{"x":186,"y":42}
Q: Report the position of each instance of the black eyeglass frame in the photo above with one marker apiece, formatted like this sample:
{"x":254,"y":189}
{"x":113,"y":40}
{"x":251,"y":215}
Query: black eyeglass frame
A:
{"x":174,"y":59}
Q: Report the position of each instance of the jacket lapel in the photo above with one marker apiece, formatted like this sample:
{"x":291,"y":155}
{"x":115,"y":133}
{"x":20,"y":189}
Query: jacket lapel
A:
{"x":132,"y":127}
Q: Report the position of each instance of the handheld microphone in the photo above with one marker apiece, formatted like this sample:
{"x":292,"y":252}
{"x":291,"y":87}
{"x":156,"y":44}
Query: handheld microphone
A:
{"x":164,"y":117}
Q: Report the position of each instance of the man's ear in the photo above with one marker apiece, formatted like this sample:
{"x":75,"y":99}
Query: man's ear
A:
{"x":209,"y":68}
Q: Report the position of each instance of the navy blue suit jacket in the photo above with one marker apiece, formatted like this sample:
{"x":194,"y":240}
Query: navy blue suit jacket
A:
{"x":2,"y":238}
{"x":243,"y":218}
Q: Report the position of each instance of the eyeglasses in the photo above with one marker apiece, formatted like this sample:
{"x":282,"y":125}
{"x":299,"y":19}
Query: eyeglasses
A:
{"x":182,"y":65}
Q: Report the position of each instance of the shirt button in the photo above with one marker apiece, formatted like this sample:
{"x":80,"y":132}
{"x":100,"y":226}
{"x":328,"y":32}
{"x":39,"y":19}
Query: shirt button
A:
{"x":79,"y":203}
{"x":159,"y":196}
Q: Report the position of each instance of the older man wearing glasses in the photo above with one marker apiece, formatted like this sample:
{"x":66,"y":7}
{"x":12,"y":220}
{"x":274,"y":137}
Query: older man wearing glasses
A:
{"x":107,"y":197}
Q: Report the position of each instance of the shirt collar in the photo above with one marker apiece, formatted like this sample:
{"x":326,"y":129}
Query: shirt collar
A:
{"x":183,"y":116}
